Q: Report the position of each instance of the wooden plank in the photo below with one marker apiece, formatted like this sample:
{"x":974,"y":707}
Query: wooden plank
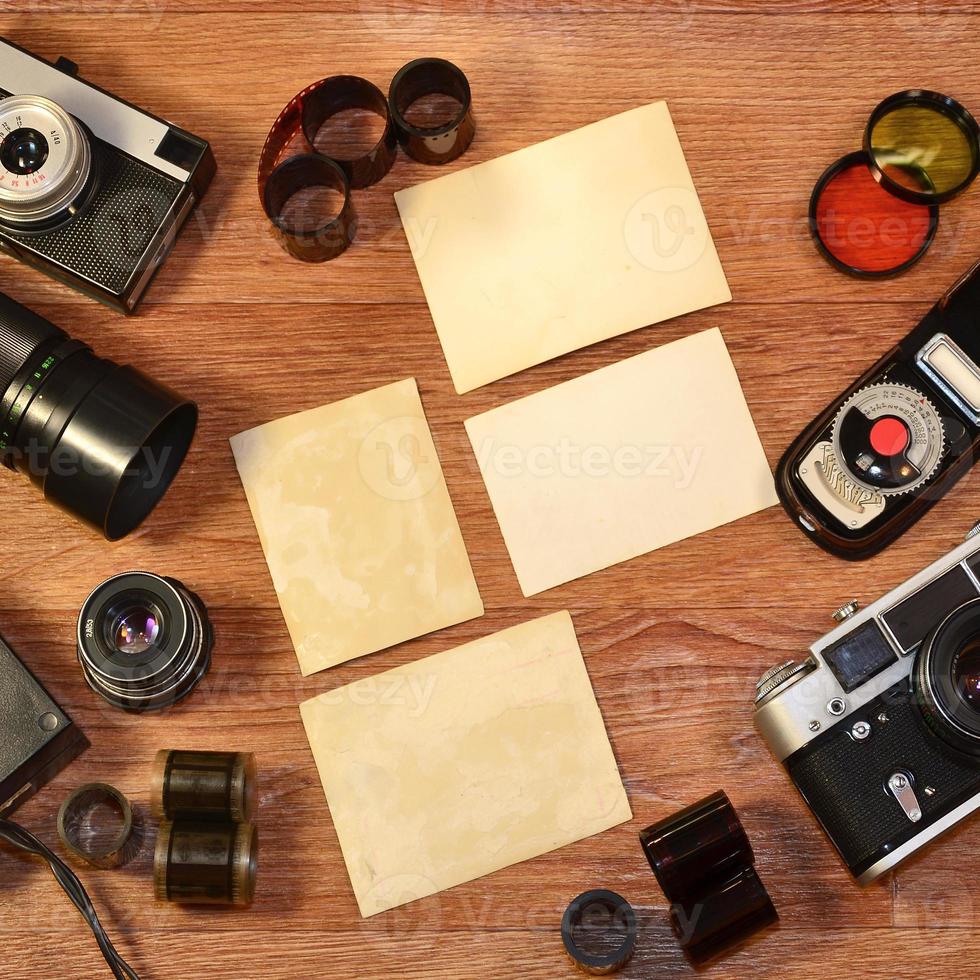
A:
{"x":764,"y":96}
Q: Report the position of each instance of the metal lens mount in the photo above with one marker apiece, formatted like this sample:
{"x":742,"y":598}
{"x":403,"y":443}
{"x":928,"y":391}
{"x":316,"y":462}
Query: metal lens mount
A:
{"x":45,"y":188}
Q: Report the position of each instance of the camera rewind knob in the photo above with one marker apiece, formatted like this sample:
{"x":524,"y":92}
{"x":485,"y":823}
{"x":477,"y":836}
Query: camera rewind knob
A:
{"x":847,"y":610}
{"x":973,"y":532}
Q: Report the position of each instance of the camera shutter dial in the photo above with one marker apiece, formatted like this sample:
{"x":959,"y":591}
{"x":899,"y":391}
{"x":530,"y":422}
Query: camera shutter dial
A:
{"x":889,"y":438}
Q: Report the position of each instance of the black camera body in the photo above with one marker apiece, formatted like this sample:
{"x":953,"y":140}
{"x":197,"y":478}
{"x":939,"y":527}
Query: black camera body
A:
{"x":879,"y":728}
{"x":887,"y":449}
{"x":93,"y":190}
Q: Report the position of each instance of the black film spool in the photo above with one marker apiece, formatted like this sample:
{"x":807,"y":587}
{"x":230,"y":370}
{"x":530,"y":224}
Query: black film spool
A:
{"x":623,"y":919}
{"x":321,"y":242}
{"x":443,"y":142}
{"x":338,"y":94}
{"x":73,"y":816}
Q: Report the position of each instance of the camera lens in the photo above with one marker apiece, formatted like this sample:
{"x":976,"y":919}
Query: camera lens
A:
{"x":144,"y":641}
{"x":947,"y":679}
{"x":44,"y":142}
{"x":136,"y":628}
{"x":966,"y":674}
{"x":101,"y":441}
{"x":24,"y":151}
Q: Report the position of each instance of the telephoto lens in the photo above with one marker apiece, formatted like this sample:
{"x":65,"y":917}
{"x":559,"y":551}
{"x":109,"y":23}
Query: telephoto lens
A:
{"x":144,"y":641}
{"x":101,"y":441}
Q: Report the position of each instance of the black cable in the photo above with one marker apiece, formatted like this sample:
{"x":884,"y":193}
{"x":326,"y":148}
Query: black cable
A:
{"x":18,"y":837}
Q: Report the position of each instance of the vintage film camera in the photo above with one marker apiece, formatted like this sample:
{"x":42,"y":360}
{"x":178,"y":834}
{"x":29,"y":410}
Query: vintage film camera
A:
{"x":879,"y":728}
{"x":879,"y":456}
{"x":93,"y":191}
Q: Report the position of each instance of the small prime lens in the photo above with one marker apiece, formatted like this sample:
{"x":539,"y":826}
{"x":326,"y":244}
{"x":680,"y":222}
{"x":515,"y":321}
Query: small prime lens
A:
{"x":24,"y":151}
{"x":947,"y":679}
{"x":100,"y":440}
{"x":144,"y":641}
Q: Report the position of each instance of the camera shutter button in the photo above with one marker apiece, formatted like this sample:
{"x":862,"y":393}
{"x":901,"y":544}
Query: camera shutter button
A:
{"x":846,"y":611}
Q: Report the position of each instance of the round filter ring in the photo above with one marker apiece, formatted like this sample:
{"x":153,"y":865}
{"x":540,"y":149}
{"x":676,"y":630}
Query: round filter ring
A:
{"x":930,"y":133}
{"x":882,"y":235}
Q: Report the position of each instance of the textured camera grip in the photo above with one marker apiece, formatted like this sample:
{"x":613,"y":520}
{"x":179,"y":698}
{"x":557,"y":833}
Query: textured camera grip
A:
{"x":844,"y":780}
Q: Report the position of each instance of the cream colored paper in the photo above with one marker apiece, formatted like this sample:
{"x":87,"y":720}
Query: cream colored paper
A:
{"x":619,"y":462}
{"x":456,"y":766}
{"x":357,"y":526}
{"x":559,"y":245}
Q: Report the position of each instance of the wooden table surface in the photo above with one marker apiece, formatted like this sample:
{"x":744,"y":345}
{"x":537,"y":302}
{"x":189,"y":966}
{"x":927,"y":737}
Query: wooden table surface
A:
{"x":764,"y":96}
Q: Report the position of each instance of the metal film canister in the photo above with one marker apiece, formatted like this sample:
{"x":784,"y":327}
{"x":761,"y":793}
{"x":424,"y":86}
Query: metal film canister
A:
{"x":202,"y":863}
{"x":696,"y":847}
{"x":203,"y":786}
{"x":443,"y":141}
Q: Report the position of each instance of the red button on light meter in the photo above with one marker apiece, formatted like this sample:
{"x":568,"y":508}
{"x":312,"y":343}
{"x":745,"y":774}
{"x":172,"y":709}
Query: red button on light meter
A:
{"x":889,"y":436}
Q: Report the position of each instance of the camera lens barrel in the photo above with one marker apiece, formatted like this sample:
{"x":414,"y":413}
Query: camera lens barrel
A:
{"x":102,"y":441}
{"x":946,"y":680}
{"x":144,"y":641}
{"x":43,"y":142}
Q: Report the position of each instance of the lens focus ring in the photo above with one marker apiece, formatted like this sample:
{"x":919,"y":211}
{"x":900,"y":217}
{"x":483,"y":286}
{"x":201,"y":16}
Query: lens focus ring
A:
{"x":45,"y":162}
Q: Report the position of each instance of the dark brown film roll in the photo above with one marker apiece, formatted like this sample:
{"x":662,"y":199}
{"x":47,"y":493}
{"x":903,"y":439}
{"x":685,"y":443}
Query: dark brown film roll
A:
{"x":202,"y":863}
{"x":203,"y":786}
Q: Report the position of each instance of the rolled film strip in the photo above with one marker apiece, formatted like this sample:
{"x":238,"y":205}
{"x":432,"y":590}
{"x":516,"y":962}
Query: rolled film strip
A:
{"x":203,"y":786}
{"x":599,"y":931}
{"x":443,"y":141}
{"x":89,"y":834}
{"x":199,"y":862}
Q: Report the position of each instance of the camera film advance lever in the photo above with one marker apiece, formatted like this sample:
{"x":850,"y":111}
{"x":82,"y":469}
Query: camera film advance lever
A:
{"x":880,"y":455}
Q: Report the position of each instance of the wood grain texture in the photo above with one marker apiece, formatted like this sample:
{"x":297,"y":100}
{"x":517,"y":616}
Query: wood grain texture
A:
{"x":764,"y":96}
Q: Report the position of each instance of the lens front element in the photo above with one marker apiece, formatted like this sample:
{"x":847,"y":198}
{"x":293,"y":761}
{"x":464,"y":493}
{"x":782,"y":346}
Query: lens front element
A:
{"x":136,"y":628}
{"x":24,"y":151}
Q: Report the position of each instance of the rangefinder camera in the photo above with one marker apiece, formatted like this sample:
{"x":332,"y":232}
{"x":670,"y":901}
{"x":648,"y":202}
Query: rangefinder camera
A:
{"x":887,"y":449}
{"x":93,"y":191}
{"x":879,"y":728}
